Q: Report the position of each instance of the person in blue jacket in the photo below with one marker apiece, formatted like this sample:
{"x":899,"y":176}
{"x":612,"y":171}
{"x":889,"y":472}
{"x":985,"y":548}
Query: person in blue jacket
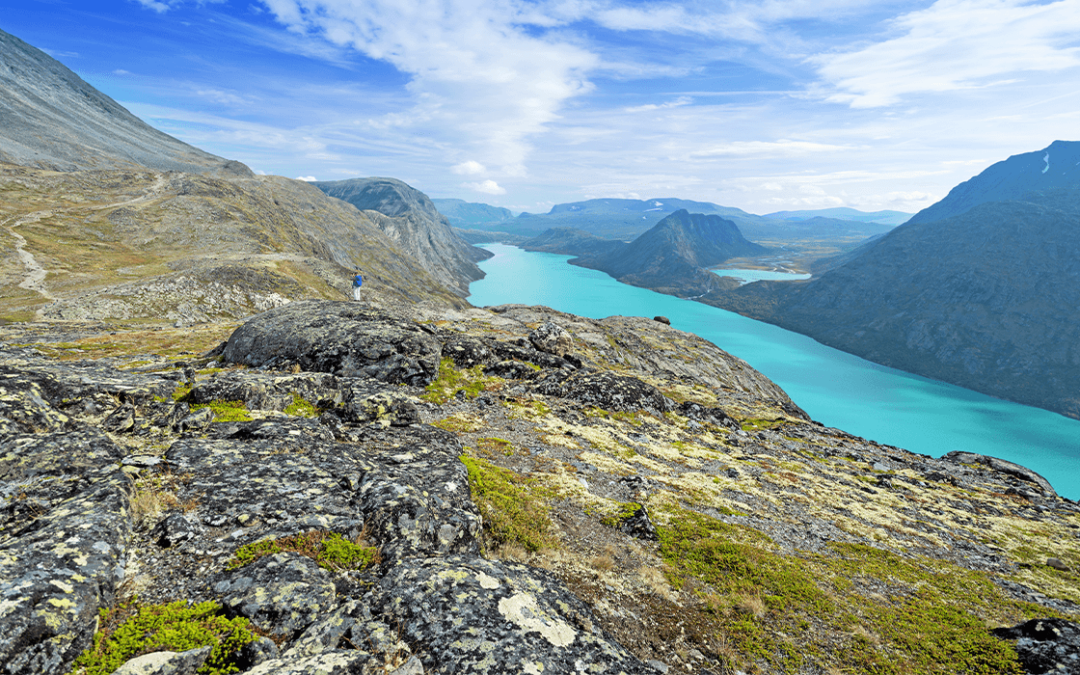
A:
{"x":357,"y":282}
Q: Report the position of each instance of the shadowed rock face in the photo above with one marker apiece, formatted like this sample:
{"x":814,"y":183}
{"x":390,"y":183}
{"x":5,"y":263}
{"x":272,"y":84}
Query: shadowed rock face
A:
{"x":50,"y":118}
{"x":411,"y":220}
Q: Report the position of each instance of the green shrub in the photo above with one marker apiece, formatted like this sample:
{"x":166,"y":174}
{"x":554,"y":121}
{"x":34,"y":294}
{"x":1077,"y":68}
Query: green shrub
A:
{"x":330,"y":550}
{"x":131,"y":629}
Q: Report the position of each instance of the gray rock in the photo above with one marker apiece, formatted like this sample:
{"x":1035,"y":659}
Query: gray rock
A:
{"x":173,"y":530}
{"x":283,"y":593}
{"x":340,"y":338}
{"x":552,"y":338}
{"x":1045,"y":645}
{"x":470,"y":615}
{"x":166,"y":663}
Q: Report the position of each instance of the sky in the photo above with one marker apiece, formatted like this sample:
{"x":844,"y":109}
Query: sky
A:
{"x":767,"y":105}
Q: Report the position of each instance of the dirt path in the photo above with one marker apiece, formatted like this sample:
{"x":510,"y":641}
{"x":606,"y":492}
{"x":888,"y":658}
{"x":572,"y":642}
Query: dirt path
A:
{"x":35,"y":273}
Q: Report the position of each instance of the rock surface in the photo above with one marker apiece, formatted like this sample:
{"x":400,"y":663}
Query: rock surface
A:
{"x":110,"y":488}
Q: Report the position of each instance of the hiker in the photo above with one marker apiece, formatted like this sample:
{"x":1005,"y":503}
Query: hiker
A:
{"x":357,"y":282}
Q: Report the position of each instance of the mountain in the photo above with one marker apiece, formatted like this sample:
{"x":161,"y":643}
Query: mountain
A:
{"x":465,"y":214}
{"x":670,"y":258}
{"x":986,"y":299}
{"x":410,"y":219}
{"x":51,"y":119}
{"x":844,"y":213}
{"x":1057,"y":165}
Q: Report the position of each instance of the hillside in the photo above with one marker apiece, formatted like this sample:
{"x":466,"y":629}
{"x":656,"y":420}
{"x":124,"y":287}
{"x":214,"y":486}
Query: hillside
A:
{"x":985,"y":300}
{"x":51,"y":119}
{"x":411,"y":220}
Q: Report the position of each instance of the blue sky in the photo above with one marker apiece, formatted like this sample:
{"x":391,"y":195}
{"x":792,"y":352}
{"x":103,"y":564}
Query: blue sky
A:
{"x":767,"y":105}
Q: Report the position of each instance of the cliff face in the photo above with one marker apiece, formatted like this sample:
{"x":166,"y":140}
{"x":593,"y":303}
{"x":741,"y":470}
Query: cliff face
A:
{"x":411,"y":220}
{"x":353,"y":489}
{"x":50,"y":118}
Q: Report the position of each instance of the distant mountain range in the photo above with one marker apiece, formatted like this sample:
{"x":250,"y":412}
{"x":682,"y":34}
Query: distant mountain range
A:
{"x":670,"y":258}
{"x":844,"y":213}
{"x":625,"y":219}
{"x":981,"y":289}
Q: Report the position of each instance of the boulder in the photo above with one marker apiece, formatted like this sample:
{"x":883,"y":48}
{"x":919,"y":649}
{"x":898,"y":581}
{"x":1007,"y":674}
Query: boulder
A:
{"x":552,"y":338}
{"x":341,"y":338}
{"x":1045,"y":645}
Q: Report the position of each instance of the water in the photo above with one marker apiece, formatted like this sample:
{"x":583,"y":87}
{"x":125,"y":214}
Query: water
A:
{"x":835,"y":388}
{"x":748,"y":276}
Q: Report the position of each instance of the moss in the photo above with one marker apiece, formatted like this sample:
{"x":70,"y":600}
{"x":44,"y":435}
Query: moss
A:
{"x":460,"y":424}
{"x":854,"y":609}
{"x":227,"y":411}
{"x":513,"y":507}
{"x":755,"y":423}
{"x":131,"y":629}
{"x":493,"y":446}
{"x":622,"y":514}
{"x":470,"y":382}
{"x":527,"y":409}
{"x":330,"y":550}
{"x":301,"y":407}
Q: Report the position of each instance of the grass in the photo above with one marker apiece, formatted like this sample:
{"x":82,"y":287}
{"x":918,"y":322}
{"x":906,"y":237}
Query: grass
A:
{"x":153,"y":495}
{"x":514,"y":508}
{"x":853,"y":609}
{"x":130,"y":629}
{"x":330,"y":550}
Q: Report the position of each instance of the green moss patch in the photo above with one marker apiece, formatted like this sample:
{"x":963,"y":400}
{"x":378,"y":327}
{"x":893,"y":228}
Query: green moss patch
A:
{"x":471,"y":382}
{"x":131,"y":629}
{"x":513,"y":507}
{"x":854,"y":609}
{"x":301,"y":407}
{"x":330,"y":550}
{"x":227,"y":411}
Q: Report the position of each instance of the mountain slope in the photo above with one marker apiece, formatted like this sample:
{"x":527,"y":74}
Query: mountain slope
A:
{"x":1057,"y":165}
{"x":409,"y":218}
{"x":987,"y":300}
{"x":50,"y":118}
{"x":465,"y":214}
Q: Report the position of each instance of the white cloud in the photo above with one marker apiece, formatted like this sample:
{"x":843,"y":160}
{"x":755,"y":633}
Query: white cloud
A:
{"x":162,"y":6}
{"x":488,"y":187}
{"x":307,"y":179}
{"x":482,"y":73}
{"x":677,"y":103}
{"x":956,"y":44}
{"x":469,"y":168}
{"x":782,"y":147}
{"x":121,"y":72}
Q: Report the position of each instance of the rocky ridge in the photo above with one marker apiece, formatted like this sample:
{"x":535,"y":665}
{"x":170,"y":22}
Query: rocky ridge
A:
{"x":545,"y":493}
{"x":409,"y":218}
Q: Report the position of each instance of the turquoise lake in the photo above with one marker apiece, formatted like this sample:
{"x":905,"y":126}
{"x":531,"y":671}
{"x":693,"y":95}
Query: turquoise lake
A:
{"x":834,"y":388}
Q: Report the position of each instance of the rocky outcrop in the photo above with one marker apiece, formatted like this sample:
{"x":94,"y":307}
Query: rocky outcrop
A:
{"x":344,"y":493}
{"x":409,"y":218}
{"x":1046,"y":645}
